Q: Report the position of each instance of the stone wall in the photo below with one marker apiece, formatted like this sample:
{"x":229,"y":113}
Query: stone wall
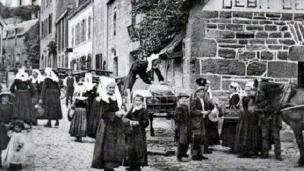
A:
{"x":236,"y":46}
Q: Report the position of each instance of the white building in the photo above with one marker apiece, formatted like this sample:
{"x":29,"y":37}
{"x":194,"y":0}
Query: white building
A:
{"x":80,"y":24}
{"x":17,"y":3}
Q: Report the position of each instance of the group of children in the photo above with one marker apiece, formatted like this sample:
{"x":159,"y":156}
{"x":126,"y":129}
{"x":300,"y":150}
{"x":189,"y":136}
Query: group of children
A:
{"x":15,"y":140}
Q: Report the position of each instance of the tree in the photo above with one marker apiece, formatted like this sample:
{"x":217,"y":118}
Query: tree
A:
{"x":162,"y":21}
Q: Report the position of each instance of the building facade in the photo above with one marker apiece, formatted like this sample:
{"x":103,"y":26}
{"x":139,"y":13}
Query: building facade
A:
{"x":16,"y":41}
{"x":2,"y":25}
{"x":18,"y":3}
{"x":63,"y":9}
{"x":239,"y":40}
{"x":47,"y":34}
{"x":80,"y":26}
{"x":112,"y":48}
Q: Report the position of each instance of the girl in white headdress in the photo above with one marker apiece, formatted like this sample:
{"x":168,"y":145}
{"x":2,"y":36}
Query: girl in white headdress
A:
{"x":78,"y":126}
{"x":23,"y":90}
{"x":50,"y":97}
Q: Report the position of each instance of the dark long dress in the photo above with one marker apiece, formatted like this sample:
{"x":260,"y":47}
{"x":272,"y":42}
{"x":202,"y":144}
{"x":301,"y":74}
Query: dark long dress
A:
{"x":78,"y":126}
{"x":248,"y":135}
{"x":110,"y":146}
{"x":136,"y":141}
{"x":93,"y":110}
{"x":230,"y":122}
{"x":94,"y":119}
{"x":23,"y":91}
{"x":35,"y":97}
{"x":50,"y":95}
{"x":6,"y":115}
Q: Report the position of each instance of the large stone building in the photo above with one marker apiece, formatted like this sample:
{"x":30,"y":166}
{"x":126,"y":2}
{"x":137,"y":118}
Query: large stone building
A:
{"x":112,"y":48}
{"x":16,"y":41}
{"x":47,"y":34}
{"x":18,"y":3}
{"x":238,"y":40}
{"x":80,"y":27}
{"x":63,"y":9}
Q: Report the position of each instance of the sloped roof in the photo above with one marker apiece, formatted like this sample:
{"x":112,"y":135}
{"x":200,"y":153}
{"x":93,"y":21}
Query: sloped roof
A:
{"x":22,"y":28}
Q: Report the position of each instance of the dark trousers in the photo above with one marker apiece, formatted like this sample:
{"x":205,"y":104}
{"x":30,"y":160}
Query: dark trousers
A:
{"x":269,"y":131}
{"x":69,"y":95}
{"x":182,"y":150}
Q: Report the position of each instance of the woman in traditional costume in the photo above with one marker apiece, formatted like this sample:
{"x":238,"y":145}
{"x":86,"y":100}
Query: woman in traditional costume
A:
{"x":6,"y":116}
{"x":248,"y":135}
{"x":50,"y":97}
{"x":110,"y":147}
{"x":23,"y":90}
{"x":95,"y":110}
{"x":229,"y":125}
{"x":78,"y":126}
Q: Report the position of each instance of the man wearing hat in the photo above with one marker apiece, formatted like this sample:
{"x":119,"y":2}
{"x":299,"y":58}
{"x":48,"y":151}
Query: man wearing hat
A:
{"x":200,"y":107}
{"x":183,"y":127}
{"x":6,"y":115}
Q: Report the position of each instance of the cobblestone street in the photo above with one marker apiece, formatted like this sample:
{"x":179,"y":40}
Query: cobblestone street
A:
{"x":57,"y":151}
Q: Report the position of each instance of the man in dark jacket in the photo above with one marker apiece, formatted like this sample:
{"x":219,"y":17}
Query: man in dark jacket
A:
{"x":200,"y":107}
{"x":69,"y":82}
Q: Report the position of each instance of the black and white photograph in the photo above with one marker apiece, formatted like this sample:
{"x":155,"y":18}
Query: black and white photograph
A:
{"x":151,"y":85}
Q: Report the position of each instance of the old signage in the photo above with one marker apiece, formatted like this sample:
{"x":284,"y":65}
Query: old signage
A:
{"x":264,"y":4}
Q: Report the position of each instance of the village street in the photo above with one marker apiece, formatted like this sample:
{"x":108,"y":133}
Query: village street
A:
{"x":57,"y":151}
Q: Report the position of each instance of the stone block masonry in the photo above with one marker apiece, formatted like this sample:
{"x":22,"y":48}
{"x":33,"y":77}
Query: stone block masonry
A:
{"x":239,"y":45}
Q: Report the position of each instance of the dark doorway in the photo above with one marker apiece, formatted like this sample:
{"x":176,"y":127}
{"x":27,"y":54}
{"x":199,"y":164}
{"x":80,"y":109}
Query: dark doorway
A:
{"x":301,"y":74}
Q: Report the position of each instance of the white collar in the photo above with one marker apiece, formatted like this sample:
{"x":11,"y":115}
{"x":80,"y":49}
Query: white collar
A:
{"x":137,"y":108}
{"x":105,"y":97}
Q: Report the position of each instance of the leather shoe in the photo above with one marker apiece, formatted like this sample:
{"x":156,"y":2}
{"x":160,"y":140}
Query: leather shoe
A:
{"x":279,"y":158}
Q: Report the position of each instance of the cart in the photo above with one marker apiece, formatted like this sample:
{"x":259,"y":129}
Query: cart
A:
{"x":160,"y":107}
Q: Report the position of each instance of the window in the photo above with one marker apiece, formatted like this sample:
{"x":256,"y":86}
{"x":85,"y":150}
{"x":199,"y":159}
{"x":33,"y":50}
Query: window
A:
{"x":115,"y":66}
{"x":50,"y":23}
{"x":89,"y":61}
{"x":83,"y":30}
{"x":77,"y":34}
{"x":114,"y":24}
{"x":42,"y":28}
{"x":98,"y":61}
{"x":89,"y":27}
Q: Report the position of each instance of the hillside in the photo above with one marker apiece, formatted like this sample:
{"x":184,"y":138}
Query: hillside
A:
{"x":24,"y":13}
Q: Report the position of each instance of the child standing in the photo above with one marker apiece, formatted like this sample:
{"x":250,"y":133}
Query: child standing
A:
{"x":136,"y":141}
{"x":78,"y":126}
{"x":6,"y":114}
{"x":19,"y":147}
{"x":183,"y":127}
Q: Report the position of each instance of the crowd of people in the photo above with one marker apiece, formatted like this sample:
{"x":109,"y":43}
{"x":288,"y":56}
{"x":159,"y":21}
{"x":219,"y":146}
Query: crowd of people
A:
{"x":95,"y":110}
